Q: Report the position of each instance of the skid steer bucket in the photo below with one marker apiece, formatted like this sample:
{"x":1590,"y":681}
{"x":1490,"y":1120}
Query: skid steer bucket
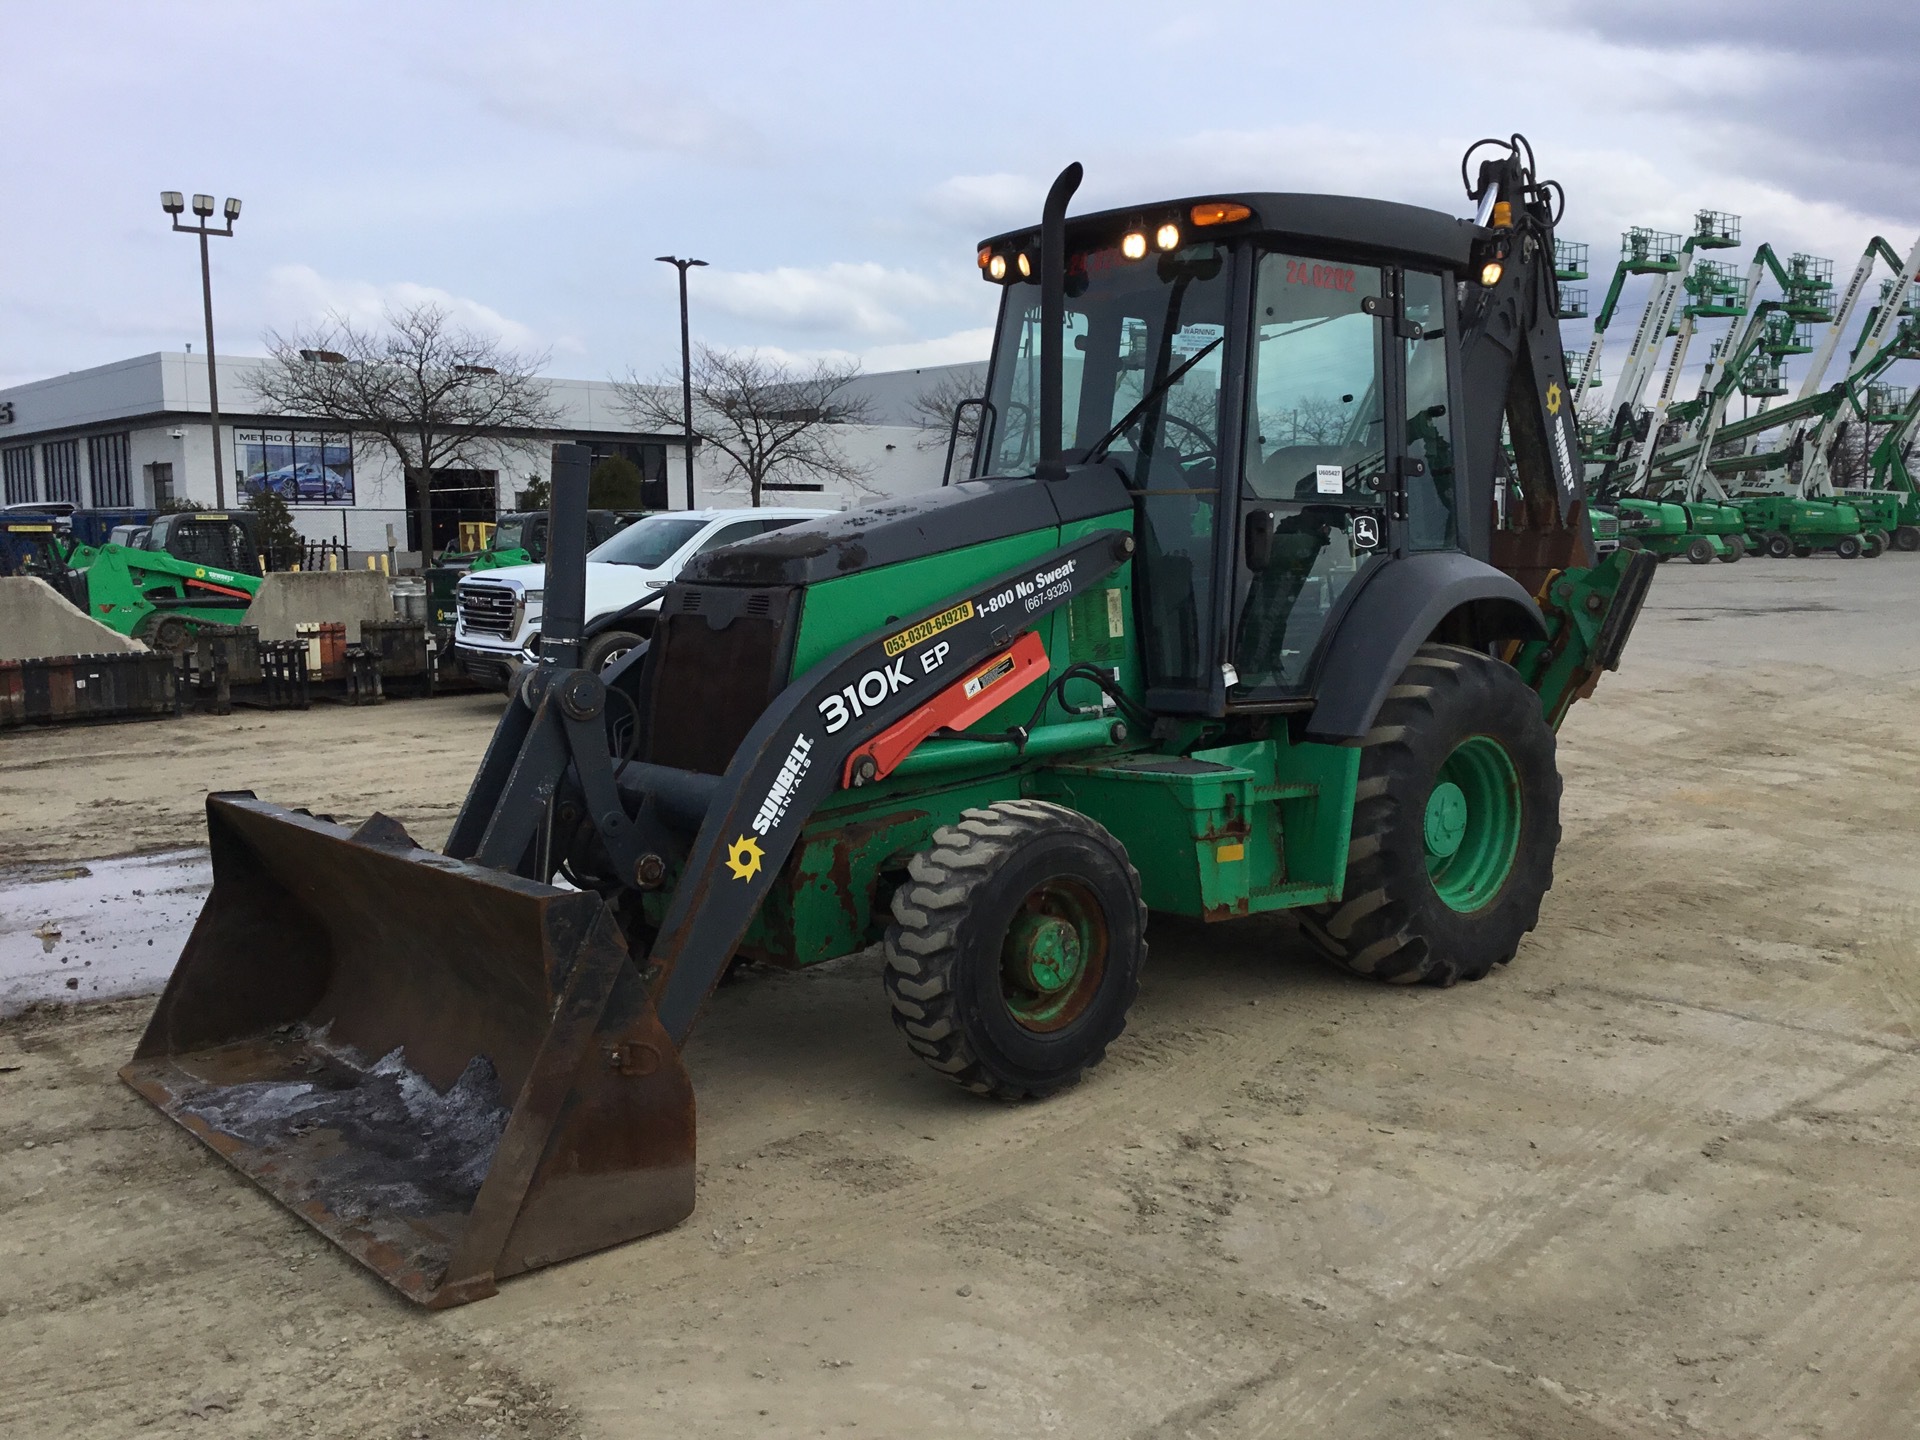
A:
{"x":452,"y":1073}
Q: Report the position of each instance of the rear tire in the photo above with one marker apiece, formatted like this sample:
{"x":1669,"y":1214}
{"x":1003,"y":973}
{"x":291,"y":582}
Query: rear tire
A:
{"x":1016,"y":948}
{"x":1873,"y":545}
{"x":1802,"y":552}
{"x":1907,"y":538}
{"x":1456,"y":819}
{"x":1700,"y":551}
{"x":1736,"y":549}
{"x":1848,"y":547}
{"x":1779,"y":546}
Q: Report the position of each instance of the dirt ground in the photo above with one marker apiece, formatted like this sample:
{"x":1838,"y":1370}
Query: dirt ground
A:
{"x":1655,"y":1178}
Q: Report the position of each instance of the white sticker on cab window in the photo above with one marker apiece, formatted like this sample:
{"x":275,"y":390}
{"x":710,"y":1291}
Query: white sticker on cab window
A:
{"x":1327,"y":479}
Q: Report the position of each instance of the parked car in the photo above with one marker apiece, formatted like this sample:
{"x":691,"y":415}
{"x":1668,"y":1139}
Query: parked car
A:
{"x":303,"y":483}
{"x":497,"y":628}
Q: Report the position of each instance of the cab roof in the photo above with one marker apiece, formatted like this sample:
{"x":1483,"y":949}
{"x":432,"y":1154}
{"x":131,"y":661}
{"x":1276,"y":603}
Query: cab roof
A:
{"x":1318,"y":221}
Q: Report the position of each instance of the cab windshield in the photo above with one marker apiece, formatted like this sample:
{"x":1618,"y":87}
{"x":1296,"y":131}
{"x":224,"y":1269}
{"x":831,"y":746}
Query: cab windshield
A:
{"x":512,"y":533}
{"x":1144,"y":351}
{"x":648,"y":543}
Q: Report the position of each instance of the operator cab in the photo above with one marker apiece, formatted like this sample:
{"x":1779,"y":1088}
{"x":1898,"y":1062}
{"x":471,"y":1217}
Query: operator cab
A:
{"x":1276,"y":380}
{"x":220,"y":539}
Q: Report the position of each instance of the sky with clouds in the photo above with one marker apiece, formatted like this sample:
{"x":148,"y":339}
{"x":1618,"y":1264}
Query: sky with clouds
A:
{"x":836,"y":161}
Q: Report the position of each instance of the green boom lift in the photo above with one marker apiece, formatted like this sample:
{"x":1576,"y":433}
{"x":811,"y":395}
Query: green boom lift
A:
{"x":1642,"y":523}
{"x":1707,"y":522}
{"x":1169,"y":650}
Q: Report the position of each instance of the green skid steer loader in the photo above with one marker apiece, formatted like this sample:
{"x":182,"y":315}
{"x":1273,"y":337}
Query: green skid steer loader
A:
{"x":1232,"y":617}
{"x":192,"y":568}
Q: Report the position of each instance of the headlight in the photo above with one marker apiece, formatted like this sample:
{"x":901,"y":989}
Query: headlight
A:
{"x":533,"y":597}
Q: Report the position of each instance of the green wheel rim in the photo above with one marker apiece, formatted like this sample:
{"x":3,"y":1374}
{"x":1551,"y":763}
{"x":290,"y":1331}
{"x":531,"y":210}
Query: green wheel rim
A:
{"x":1054,"y":955}
{"x":1472,"y":824}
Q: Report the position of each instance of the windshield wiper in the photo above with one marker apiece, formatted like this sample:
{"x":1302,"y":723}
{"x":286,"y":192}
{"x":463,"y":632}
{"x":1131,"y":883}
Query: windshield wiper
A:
{"x":1172,"y":378}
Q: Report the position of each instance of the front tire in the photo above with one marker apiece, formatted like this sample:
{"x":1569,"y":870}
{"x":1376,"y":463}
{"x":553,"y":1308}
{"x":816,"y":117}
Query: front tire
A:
{"x":607,"y":647}
{"x":1906,"y":537}
{"x":1456,"y":818}
{"x":1700,"y":551}
{"x":1736,"y":549}
{"x":1848,"y":547}
{"x":1016,"y":948}
{"x":1779,"y":546}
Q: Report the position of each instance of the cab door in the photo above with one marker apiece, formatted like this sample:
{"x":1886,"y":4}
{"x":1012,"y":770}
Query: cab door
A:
{"x":1348,"y":453}
{"x":1312,"y":500}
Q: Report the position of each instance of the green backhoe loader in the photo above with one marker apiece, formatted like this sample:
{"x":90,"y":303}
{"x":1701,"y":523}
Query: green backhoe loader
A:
{"x":1243,"y":609}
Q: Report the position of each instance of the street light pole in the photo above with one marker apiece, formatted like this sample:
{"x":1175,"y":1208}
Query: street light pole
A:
{"x":171,"y":202}
{"x":686,"y":363}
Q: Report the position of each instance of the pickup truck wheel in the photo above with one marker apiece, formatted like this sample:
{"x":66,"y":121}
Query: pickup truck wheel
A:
{"x":1016,"y":948}
{"x":1456,"y":818}
{"x":607,"y":647}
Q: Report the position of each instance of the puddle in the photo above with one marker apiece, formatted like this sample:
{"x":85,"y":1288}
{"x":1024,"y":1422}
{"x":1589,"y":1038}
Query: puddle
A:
{"x":97,"y":929}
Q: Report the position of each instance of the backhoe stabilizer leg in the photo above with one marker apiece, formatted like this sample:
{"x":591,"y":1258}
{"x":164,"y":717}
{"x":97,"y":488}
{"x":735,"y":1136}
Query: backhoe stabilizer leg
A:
{"x":1590,"y":615}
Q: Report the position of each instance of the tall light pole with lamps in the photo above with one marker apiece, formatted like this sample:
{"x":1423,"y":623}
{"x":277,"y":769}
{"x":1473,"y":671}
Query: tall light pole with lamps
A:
{"x":686,"y":362}
{"x":171,"y":202}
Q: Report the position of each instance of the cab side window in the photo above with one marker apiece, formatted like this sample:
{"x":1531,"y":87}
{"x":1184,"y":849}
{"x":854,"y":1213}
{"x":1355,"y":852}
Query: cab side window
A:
{"x":1430,"y":494}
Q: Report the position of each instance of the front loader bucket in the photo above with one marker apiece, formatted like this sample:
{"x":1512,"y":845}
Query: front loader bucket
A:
{"x":452,"y":1073}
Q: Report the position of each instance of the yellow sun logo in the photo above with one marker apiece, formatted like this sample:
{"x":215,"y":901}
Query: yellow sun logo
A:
{"x":1553,"y":398}
{"x":743,"y":858}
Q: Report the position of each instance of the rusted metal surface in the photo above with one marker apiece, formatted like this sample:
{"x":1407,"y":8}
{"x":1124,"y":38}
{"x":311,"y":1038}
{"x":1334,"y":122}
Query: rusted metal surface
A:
{"x":87,"y":687}
{"x":452,"y":1073}
{"x":400,"y":648}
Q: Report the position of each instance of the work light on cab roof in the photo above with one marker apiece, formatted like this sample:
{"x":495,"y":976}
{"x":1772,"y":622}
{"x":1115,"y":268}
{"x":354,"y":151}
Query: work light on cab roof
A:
{"x":1142,"y":236}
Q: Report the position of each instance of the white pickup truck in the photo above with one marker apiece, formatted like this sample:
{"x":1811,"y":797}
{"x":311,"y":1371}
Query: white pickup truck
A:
{"x":498,"y":624}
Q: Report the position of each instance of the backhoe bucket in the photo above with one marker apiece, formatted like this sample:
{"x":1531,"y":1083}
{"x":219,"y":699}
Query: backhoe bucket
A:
{"x":452,"y":1073}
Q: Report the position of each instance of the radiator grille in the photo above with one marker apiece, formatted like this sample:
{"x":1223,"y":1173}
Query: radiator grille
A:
{"x":487,"y":609}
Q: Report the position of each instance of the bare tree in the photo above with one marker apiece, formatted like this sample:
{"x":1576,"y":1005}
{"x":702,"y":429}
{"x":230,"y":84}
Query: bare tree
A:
{"x":933,"y":410}
{"x":1316,"y":420}
{"x":771,"y":420}
{"x":435,"y":393}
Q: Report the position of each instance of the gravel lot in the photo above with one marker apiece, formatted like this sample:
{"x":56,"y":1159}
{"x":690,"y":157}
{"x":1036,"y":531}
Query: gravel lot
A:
{"x":1655,"y":1178}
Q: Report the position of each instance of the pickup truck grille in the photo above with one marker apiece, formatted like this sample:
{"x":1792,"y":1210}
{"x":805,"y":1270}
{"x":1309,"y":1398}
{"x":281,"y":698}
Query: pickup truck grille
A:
{"x":487,"y":609}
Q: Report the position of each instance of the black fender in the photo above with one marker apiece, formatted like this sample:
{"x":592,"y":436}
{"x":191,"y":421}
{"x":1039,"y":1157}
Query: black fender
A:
{"x":1395,"y":611}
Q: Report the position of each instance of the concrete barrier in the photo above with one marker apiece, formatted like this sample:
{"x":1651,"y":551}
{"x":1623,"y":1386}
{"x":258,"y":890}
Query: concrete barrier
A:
{"x":290,"y":598}
{"x":37,"y":622}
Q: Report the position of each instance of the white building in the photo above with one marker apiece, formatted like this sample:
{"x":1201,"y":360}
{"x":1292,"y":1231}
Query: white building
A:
{"x":136,"y":433}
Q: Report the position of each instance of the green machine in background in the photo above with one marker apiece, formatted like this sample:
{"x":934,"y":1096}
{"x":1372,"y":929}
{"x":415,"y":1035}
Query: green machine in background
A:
{"x":519,"y":538}
{"x":192,"y":568}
